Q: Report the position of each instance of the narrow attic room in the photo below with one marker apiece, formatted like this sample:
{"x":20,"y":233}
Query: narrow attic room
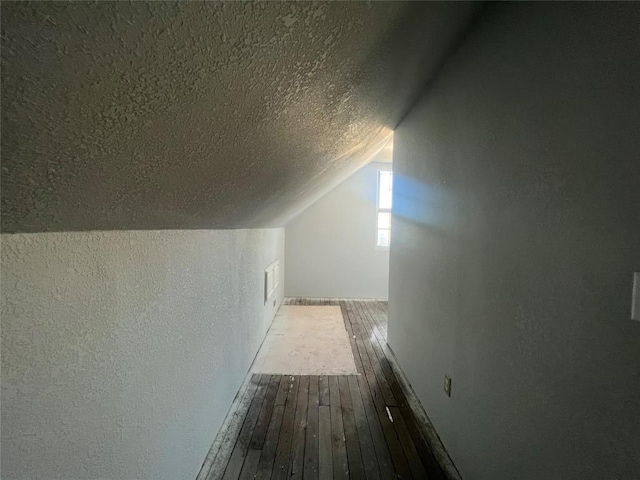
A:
{"x":320,"y":240}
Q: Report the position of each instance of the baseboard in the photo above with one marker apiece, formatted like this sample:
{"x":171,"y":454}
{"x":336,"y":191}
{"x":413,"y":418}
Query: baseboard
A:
{"x":225,"y":431}
{"x":335,"y":299}
{"x":428,"y":431}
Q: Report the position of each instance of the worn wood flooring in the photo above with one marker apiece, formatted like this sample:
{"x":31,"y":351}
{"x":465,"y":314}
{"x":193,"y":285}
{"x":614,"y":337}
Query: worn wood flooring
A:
{"x":329,"y":427}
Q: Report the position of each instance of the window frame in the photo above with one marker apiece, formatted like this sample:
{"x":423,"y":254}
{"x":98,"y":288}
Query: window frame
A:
{"x":383,"y":210}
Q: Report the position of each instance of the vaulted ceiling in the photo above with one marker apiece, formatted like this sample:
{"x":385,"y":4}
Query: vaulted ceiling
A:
{"x":120,"y":115}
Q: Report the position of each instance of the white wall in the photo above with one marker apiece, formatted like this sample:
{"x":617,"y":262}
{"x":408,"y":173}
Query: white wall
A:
{"x":123,"y":350}
{"x":331,"y":246}
{"x":517,"y":229}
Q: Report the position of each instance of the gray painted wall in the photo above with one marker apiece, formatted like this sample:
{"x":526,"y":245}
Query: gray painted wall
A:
{"x":517,"y":229}
{"x":331,"y":249}
{"x":122,"y":351}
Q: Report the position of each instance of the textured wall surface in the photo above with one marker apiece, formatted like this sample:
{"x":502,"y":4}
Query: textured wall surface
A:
{"x":517,"y":229}
{"x":331,"y":246}
{"x":122,"y":351}
{"x":153,"y":115}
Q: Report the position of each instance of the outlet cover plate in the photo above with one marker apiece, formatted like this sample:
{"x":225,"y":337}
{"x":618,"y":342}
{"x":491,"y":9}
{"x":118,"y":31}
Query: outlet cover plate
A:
{"x":447,"y":385}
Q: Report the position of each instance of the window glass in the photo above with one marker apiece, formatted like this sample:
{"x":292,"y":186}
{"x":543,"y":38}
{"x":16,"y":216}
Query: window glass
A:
{"x":385,"y":187}
{"x":384,"y":237}
{"x":384,"y":192}
{"x":384,"y":220}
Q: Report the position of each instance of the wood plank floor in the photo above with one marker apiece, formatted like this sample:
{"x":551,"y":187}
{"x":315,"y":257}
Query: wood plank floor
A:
{"x":329,"y":427}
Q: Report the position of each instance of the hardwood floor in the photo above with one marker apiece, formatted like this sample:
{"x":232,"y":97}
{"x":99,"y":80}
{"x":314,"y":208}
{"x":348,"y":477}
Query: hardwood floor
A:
{"x":328,"y":427}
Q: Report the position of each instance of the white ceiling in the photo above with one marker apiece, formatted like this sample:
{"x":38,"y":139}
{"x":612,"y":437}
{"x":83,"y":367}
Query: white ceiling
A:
{"x":121,"y":115}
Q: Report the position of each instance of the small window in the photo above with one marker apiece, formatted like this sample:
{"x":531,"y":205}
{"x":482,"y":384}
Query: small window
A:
{"x":385,"y":189}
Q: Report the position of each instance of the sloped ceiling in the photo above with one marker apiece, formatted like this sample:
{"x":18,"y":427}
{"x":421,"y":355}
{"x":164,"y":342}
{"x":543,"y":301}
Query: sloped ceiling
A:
{"x":161,"y":115}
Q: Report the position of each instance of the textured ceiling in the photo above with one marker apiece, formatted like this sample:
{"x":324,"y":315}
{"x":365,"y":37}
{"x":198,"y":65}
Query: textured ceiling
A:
{"x":201,"y":115}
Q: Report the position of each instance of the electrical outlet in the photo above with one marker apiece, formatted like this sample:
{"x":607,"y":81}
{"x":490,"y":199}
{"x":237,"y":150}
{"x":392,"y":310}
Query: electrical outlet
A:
{"x":447,"y":385}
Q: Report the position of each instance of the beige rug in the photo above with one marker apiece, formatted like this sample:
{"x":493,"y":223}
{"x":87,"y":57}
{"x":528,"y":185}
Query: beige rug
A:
{"x":305,"y":340}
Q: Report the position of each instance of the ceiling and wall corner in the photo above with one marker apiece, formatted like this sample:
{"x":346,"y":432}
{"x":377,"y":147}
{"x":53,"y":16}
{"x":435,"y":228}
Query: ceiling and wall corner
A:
{"x":198,"y":114}
{"x":380,"y":153}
